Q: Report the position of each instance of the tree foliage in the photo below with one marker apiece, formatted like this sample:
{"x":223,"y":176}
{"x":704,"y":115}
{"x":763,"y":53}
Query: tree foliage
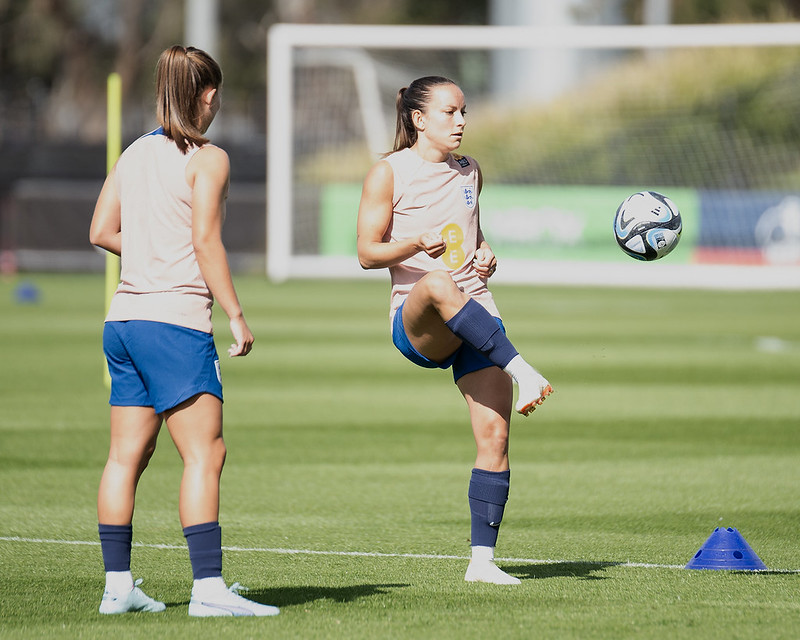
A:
{"x":56,"y":54}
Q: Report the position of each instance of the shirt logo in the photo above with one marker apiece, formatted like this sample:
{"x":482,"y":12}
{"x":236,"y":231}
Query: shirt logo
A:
{"x":461,"y":160}
{"x":469,"y":196}
{"x":455,"y":256}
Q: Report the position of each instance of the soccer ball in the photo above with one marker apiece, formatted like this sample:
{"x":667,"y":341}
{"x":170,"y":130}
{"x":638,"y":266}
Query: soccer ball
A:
{"x":647,"y":225}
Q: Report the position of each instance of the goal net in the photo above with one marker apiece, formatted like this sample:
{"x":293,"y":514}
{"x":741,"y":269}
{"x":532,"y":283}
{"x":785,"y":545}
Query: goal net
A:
{"x":566,"y":122}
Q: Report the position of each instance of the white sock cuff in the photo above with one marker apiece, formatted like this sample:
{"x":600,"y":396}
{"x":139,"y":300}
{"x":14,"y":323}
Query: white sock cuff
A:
{"x":208,"y":585}
{"x":482,"y":554}
{"x":518,"y":367}
{"x":119,"y":581}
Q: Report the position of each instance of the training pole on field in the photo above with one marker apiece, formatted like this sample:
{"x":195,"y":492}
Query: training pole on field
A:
{"x":113,"y":149}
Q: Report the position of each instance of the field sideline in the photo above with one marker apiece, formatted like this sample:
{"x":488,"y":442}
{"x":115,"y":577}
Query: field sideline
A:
{"x":344,"y":493}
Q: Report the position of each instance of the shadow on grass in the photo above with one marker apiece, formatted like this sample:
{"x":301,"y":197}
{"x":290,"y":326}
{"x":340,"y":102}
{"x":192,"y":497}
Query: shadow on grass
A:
{"x":768,"y":572}
{"x":583,"y":570}
{"x":287,"y":596}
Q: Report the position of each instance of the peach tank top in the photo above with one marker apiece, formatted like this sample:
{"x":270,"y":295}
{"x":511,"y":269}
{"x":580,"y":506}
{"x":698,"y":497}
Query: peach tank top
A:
{"x":441,"y":197}
{"x":160,"y":279}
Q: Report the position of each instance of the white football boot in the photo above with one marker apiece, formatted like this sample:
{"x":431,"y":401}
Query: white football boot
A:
{"x":532,"y":386}
{"x":483,"y":569}
{"x":212,"y":599}
{"x":488,"y":572}
{"x":133,"y":600}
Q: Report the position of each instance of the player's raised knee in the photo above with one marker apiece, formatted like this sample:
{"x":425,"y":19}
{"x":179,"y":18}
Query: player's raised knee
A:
{"x":440,"y":287}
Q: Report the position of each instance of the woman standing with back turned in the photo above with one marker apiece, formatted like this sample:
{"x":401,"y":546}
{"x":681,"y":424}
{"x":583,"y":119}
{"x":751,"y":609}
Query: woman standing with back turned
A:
{"x":419,"y":217}
{"x":161,"y":209}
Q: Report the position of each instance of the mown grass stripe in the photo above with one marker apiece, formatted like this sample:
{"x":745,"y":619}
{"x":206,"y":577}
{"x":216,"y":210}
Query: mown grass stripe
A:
{"x":368,"y":554}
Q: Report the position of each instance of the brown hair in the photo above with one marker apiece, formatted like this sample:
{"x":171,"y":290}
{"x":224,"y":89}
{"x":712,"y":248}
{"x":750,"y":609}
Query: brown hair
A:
{"x":182,"y":74}
{"x":409,"y":99}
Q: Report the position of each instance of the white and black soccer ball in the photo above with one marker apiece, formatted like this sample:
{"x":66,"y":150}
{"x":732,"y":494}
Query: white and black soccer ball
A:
{"x":647,"y":225}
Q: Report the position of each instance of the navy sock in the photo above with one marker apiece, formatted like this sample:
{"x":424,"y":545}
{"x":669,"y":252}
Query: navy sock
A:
{"x":115,"y":543}
{"x":488,"y":494}
{"x":476,"y":326}
{"x":205,"y":549}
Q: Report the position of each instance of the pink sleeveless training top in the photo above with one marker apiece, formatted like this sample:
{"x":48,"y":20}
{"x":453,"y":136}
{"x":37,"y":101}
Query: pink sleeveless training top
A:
{"x":160,"y":279}
{"x":440,"y":197}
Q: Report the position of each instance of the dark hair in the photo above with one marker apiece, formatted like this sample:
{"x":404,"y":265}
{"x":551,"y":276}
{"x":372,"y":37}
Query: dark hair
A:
{"x":414,"y":97}
{"x":182,"y":74}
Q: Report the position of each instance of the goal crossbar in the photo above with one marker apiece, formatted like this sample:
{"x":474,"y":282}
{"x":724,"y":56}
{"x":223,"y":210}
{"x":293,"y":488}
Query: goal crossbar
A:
{"x":285,"y":36}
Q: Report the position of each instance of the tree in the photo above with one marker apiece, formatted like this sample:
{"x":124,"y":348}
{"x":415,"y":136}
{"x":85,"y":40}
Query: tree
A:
{"x":56,"y":54}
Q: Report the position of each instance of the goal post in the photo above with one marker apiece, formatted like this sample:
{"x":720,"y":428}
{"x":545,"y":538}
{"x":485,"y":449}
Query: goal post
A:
{"x":674,"y":108}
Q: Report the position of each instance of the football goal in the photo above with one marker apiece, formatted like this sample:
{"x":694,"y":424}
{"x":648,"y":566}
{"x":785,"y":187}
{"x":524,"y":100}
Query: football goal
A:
{"x":566,"y":122}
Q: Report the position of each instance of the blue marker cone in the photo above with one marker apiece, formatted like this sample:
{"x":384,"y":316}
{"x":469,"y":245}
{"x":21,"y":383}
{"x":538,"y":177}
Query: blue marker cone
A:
{"x":26,"y":293}
{"x":726,"y":549}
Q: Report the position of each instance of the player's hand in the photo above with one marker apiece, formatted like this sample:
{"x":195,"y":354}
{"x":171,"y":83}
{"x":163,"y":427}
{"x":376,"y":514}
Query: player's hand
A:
{"x":485,"y":262}
{"x":243,"y":336}
{"x":433,"y":244}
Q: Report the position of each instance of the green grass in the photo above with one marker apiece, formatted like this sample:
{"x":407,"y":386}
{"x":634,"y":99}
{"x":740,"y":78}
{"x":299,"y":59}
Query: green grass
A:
{"x":675,"y":412}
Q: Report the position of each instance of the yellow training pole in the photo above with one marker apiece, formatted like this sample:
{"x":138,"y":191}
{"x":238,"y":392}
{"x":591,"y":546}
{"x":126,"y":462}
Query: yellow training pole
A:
{"x":113,"y":150}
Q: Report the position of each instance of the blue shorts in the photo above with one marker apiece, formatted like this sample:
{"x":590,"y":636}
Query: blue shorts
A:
{"x":159,"y":365}
{"x":463,"y":360}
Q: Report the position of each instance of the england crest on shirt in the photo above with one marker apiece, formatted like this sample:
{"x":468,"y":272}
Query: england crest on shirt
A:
{"x":469,"y":195}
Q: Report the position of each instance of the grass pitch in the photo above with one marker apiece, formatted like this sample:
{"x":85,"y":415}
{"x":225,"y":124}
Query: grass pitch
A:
{"x":344,"y":495}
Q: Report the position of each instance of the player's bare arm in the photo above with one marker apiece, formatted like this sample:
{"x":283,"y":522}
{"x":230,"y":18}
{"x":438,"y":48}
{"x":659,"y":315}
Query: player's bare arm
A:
{"x":374,"y":217}
{"x":105,"y":230}
{"x":485,"y":261}
{"x":208,"y":174}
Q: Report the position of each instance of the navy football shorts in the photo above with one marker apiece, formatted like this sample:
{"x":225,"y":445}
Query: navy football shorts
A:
{"x":464,"y":360}
{"x":159,"y":365}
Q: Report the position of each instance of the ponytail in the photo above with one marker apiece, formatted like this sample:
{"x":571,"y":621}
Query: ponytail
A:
{"x":182,"y":74}
{"x":412,"y":98}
